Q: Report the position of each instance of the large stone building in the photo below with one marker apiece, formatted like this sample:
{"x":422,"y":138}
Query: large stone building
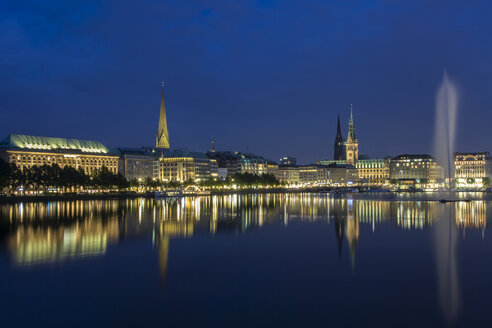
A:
{"x":471,"y":169}
{"x":415,"y":169}
{"x":237,"y":162}
{"x":308,"y":174}
{"x":373,"y":172}
{"x":27,"y":151}
{"x":338,"y":175}
{"x":352,"y":143}
{"x":138,"y":164}
{"x":288,"y":174}
{"x":182,"y":166}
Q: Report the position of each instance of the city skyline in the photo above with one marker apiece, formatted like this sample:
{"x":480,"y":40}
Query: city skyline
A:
{"x":84,"y":79}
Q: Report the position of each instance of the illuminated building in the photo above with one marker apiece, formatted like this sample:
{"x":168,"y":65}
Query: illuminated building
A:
{"x":162,"y":138}
{"x":182,"y":166}
{"x":237,"y":162}
{"x":308,"y":174}
{"x":470,"y":169}
{"x":288,"y":174}
{"x":412,"y":169}
{"x":373,"y":171}
{"x":338,"y":174}
{"x":330,"y":162}
{"x":352,"y":143}
{"x":214,"y":168}
{"x":137,"y":164}
{"x":338,"y":148}
{"x":272,"y":168}
{"x":288,"y":160}
{"x":28,"y":151}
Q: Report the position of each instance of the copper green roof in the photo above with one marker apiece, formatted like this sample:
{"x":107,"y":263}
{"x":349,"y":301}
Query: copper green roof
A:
{"x":48,"y":143}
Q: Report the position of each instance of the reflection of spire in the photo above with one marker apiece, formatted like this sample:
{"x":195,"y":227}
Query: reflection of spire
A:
{"x":163,"y":255}
{"x":352,"y":231}
{"x":339,"y":231}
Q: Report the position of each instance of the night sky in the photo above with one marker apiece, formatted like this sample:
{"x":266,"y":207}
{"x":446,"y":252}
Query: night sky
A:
{"x":267,"y":77}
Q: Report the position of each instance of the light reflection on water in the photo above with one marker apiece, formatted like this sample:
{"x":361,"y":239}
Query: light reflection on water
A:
{"x":34,"y":234}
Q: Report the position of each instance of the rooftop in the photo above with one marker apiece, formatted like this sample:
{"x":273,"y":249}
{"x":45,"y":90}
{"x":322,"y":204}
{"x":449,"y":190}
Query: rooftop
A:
{"x":53,"y":144}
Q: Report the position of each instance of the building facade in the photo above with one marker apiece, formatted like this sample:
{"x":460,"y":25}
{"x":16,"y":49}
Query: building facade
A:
{"x":470,"y":169}
{"x":238,"y":162}
{"x":338,"y":175}
{"x":182,"y":166}
{"x":137,"y":164}
{"x":352,"y":143}
{"x":308,"y":174}
{"x":27,"y":151}
{"x":288,"y":174}
{"x":373,"y":171}
{"x":272,"y":168}
{"x":411,"y":169}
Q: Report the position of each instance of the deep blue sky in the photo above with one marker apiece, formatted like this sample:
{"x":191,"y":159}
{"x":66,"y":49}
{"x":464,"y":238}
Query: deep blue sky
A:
{"x":263,"y":76}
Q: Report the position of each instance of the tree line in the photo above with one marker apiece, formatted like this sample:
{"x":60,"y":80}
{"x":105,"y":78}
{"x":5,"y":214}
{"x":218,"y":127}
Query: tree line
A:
{"x":69,"y":179}
{"x":46,"y":177}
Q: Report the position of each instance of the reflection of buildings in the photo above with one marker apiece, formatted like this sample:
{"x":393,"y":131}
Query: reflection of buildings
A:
{"x":56,"y":231}
{"x":33,"y":245}
{"x":472,"y":215}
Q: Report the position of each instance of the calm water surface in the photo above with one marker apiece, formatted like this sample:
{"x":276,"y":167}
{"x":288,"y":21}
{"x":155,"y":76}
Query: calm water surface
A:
{"x":289,"y":260}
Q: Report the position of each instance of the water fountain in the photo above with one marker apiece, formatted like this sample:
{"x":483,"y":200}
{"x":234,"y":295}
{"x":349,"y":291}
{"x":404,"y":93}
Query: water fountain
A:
{"x":445,"y":230}
{"x":445,"y":127}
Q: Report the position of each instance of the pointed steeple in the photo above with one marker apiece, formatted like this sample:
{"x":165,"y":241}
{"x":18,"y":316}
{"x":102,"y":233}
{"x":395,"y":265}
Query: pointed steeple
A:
{"x":351,"y":133}
{"x":339,"y":129}
{"x":212,"y":148}
{"x":162,"y":139}
{"x":338,"y":148}
{"x":351,"y":144}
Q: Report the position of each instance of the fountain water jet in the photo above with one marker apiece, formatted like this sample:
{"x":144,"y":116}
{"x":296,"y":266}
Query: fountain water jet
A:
{"x":445,"y":126}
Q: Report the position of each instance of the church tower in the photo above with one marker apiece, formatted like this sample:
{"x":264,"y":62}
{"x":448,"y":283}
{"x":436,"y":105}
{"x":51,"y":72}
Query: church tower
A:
{"x":212,"y":148}
{"x":338,"y":148}
{"x":162,"y":139}
{"x":352,"y":144}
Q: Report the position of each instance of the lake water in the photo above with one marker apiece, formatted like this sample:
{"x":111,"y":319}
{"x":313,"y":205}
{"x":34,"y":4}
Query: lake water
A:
{"x":286,"y":260}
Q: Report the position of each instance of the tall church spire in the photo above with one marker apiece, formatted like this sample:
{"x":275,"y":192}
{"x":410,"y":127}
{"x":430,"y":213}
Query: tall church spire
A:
{"x":338,"y":148}
{"x":162,"y":139}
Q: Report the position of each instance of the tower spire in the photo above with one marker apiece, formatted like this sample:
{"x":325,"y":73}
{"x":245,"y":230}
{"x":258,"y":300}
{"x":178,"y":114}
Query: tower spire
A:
{"x":339,"y":129}
{"x":212,"y":148}
{"x":351,"y":144}
{"x":338,"y":148}
{"x":162,"y":139}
